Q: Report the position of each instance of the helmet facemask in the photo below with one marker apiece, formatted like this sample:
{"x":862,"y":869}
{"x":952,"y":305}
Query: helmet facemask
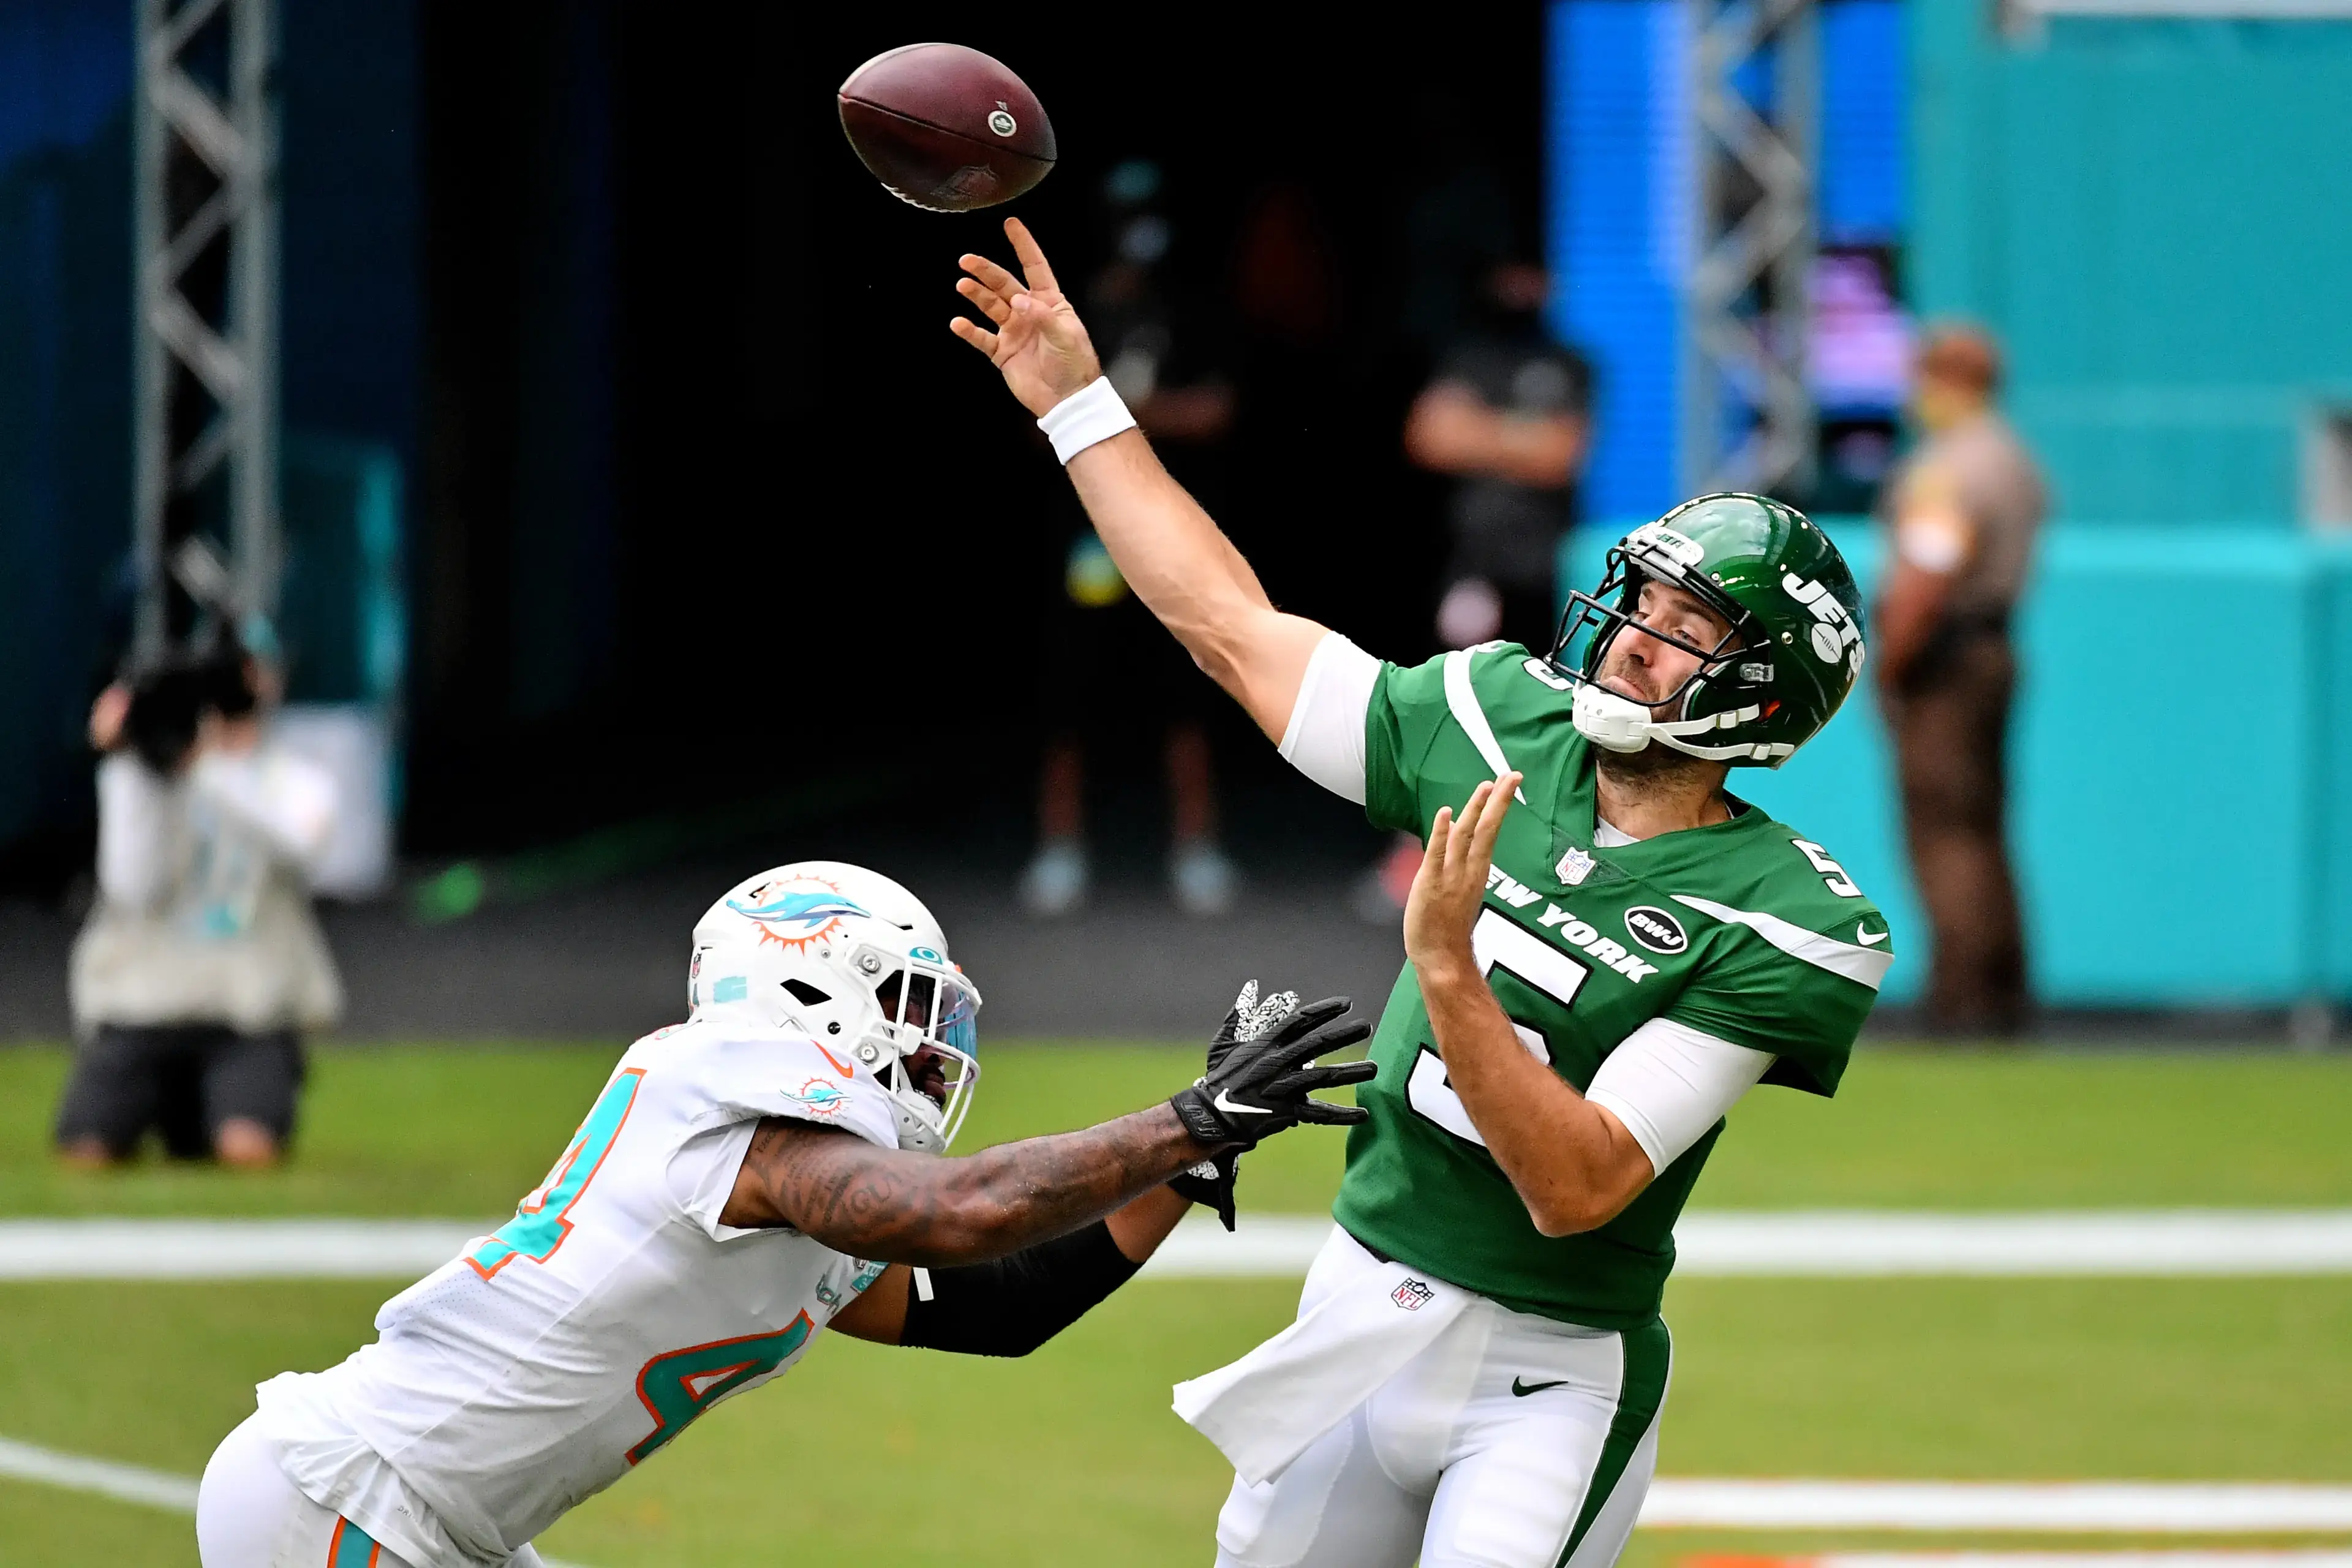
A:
{"x":1592,"y":623}
{"x":922,"y":1039}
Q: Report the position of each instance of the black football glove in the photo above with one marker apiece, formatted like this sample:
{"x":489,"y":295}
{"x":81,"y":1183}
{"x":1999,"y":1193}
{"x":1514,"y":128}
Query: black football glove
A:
{"x":1260,"y":1080}
{"x":1211,"y":1183}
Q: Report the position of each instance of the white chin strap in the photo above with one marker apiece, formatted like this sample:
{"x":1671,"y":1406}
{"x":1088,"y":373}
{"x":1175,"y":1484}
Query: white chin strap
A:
{"x":1617,"y":723}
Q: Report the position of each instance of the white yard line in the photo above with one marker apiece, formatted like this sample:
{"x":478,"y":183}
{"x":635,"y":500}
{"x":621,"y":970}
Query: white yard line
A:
{"x":124,"y":1483}
{"x":228,"y":1248}
{"x":1823,"y":1244}
{"x":1264,"y":1247}
{"x":2223,"y":1557}
{"x":1853,"y":1242}
{"x":2139,"y":1507}
{"x":2121,"y":1508}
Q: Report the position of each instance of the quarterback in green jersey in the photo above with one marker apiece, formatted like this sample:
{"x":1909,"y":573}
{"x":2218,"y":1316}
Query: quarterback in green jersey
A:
{"x":1606,"y":948}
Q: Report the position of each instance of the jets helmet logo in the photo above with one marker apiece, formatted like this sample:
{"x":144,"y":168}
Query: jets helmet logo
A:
{"x":1834,"y":628}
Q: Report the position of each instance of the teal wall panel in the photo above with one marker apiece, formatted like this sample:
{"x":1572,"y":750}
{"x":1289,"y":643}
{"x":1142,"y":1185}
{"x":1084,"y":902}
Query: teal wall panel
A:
{"x":2151,"y":213}
{"x":2331,"y":787}
{"x":2161,"y":814}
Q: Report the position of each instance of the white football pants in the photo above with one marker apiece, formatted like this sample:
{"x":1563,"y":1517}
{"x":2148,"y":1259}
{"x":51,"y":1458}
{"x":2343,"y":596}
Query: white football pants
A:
{"x":248,"y":1515}
{"x":1513,"y":1441}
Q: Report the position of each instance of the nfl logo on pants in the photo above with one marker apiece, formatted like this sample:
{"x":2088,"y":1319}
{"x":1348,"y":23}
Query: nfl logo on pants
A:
{"x":1413,"y":1295}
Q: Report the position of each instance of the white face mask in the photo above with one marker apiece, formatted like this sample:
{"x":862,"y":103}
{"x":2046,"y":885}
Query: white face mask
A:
{"x":1613,"y":723}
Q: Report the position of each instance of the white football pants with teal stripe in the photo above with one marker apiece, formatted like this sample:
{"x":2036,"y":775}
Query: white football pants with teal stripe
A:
{"x":248,"y":1515}
{"x":1513,"y":1441}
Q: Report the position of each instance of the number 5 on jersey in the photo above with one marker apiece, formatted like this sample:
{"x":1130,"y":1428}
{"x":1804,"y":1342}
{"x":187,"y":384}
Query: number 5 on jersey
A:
{"x":542,"y":1219}
{"x":1520,"y":953}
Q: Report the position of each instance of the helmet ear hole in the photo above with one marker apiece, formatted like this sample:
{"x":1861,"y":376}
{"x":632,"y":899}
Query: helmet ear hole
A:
{"x":807,"y":993}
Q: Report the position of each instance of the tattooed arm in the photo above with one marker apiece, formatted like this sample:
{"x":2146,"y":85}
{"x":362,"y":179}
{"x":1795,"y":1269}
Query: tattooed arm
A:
{"x":900,"y":1207}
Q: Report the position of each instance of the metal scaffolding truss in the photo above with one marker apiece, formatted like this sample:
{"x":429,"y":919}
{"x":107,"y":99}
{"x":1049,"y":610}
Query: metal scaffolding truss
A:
{"x":1747,"y":415}
{"x":205,"y":228}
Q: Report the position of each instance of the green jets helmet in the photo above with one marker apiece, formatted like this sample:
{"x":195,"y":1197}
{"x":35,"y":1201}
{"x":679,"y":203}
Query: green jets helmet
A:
{"x":1794,"y":649}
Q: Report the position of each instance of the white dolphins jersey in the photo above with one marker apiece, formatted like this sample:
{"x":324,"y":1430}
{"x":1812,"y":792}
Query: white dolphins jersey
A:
{"x":555,"y":1355}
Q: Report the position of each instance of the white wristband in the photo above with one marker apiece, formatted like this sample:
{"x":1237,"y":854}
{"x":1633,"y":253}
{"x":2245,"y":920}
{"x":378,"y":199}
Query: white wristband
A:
{"x":1093,"y":413}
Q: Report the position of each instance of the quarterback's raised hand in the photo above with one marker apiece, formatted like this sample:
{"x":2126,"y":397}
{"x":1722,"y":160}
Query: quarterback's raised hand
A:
{"x":1259,"y":1084}
{"x":1450,"y":885}
{"x":1039,"y":346}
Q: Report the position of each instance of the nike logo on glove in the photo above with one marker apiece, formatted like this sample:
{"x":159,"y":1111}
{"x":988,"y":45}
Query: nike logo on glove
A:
{"x":1230,"y":1106}
{"x":1523,"y":1389}
{"x":1870,"y":938}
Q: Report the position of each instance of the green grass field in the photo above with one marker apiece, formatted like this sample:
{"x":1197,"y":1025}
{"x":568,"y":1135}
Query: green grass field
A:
{"x":899,"y":1457}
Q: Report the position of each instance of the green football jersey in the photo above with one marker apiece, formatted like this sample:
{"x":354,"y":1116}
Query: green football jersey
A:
{"x":1745,"y":930}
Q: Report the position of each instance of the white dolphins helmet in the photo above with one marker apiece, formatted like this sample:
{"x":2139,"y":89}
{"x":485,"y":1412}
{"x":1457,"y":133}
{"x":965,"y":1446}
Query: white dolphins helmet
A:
{"x":855,"y":962}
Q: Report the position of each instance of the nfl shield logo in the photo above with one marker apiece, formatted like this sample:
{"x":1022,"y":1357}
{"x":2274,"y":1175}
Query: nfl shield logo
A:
{"x":1413,"y":1295}
{"x":1574,"y":866}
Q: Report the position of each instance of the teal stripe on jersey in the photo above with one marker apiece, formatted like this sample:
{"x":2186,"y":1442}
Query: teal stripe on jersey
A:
{"x":1649,"y":1355}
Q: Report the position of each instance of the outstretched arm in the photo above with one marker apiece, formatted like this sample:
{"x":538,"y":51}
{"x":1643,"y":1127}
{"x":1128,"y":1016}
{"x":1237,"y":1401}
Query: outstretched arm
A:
{"x":1169,"y":550}
{"x":1013,"y":1306}
{"x":902,"y":1207}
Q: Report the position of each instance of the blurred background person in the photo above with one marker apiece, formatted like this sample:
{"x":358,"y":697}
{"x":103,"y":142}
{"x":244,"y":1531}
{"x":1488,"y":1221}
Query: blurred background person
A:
{"x":202,"y":964}
{"x":1507,"y":418}
{"x":1963,"y":512}
{"x":1109,"y":675}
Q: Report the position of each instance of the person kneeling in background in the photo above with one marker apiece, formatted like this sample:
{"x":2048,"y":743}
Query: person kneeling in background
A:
{"x":201,"y":963}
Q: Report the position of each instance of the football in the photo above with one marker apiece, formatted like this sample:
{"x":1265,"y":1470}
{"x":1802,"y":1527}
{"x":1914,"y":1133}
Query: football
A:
{"x":946,"y":128}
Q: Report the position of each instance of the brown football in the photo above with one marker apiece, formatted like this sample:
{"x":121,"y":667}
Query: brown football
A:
{"x":946,"y":128}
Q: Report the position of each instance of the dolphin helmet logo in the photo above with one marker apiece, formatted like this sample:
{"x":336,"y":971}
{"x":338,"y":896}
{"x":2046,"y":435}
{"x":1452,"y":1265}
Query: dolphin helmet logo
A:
{"x":797,"y":912}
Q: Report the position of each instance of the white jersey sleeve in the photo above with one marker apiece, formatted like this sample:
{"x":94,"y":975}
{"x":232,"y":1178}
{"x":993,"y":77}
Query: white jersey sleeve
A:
{"x":1668,"y":1083}
{"x":1325,"y":738}
{"x":743,"y":1081}
{"x":136,"y":815}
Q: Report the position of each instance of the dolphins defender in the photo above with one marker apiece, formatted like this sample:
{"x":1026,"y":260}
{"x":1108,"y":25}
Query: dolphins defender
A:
{"x":769,"y":1169}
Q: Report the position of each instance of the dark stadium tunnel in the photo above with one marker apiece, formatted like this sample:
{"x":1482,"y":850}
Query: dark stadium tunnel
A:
{"x":705,"y":491}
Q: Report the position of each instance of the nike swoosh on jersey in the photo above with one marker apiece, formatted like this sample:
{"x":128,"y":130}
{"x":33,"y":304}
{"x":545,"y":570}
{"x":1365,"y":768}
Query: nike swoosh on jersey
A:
{"x":1868,"y":938}
{"x":1523,"y":1389}
{"x":1862,"y":965}
{"x":1222,"y":1103}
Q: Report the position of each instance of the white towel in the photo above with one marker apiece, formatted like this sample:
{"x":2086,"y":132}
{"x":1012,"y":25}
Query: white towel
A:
{"x":1264,"y":1409}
